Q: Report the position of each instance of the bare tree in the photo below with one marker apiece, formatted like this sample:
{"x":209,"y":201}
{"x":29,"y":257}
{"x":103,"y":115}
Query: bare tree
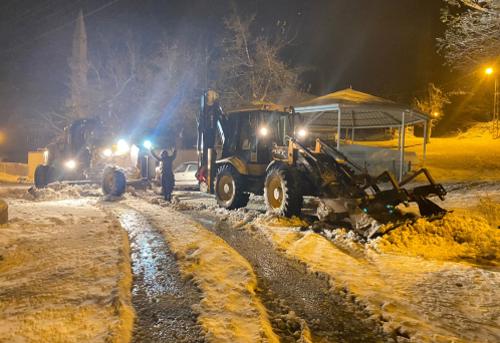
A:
{"x":472,"y":36}
{"x":433,"y":104}
{"x":251,"y":68}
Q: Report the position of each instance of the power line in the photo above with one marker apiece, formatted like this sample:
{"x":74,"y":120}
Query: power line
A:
{"x":49,"y":32}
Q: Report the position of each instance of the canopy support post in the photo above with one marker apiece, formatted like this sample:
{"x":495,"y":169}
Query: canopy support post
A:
{"x":424,"y":153}
{"x":339,"y":112}
{"x":402,"y":147}
{"x":352,"y":134}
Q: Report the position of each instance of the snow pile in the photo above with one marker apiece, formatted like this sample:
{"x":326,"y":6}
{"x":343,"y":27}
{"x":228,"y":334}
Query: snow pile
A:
{"x":478,"y":130}
{"x":60,"y":191}
{"x":454,"y":237}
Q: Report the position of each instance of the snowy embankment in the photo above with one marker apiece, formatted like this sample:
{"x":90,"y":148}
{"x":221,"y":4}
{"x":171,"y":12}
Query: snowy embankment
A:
{"x":470,"y":156}
{"x":64,"y":273}
{"x":230,"y":310}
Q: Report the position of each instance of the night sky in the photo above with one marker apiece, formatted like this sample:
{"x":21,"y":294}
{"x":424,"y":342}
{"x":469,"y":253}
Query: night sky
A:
{"x":383,"y":47}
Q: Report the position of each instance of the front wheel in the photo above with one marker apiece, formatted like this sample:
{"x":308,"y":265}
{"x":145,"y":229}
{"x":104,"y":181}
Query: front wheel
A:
{"x":282,"y":192}
{"x":229,"y":188}
{"x":113,"y":182}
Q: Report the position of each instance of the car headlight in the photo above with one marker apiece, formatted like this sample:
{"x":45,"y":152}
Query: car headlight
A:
{"x":70,"y":164}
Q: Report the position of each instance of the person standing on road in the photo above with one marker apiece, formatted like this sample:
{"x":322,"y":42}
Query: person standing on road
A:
{"x":166,"y":160}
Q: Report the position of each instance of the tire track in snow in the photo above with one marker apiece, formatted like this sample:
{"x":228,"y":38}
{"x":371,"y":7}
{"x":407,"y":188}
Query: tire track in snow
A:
{"x":161,"y":298}
{"x":286,"y":285}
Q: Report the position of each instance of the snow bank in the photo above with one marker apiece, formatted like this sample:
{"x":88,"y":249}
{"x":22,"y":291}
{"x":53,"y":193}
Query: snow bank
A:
{"x":64,"y":274}
{"x":453,"y":238}
{"x":230,"y":310}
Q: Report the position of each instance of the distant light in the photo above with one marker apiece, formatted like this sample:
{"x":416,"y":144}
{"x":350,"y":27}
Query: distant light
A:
{"x":147,"y":144}
{"x":122,"y":147}
{"x":489,"y":71}
{"x":435,"y":114}
{"x":302,"y":133}
{"x":263,"y":131}
{"x":107,"y":152}
{"x":70,"y":164}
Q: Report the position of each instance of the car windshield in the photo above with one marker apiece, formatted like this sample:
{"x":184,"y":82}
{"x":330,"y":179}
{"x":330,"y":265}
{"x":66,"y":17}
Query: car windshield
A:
{"x":192,"y":168}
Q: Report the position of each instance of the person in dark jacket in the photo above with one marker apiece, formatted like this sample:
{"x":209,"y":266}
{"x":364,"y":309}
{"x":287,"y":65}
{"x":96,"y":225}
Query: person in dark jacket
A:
{"x":166,"y":160}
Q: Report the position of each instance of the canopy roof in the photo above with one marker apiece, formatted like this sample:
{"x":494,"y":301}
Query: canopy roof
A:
{"x":357,"y":110}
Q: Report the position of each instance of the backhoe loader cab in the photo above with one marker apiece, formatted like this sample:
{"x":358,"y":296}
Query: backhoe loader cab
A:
{"x":245,"y":140}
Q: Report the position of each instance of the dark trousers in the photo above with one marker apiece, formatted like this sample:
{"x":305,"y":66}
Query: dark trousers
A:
{"x":167,"y":185}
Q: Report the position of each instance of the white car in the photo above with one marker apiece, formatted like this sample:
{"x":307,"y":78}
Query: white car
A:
{"x":185,"y":175}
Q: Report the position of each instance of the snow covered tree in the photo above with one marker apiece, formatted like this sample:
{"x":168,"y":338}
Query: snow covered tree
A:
{"x":433,"y":104}
{"x":250,"y":68}
{"x":472,"y":35}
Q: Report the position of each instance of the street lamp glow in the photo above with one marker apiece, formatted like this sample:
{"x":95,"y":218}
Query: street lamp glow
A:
{"x":489,"y":71}
{"x":435,"y":114}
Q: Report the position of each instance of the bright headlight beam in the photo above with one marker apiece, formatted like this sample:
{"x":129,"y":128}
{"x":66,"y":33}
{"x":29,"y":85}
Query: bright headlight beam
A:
{"x":302,"y":133}
{"x":70,"y":164}
{"x":263,"y":131}
{"x":107,"y":152}
{"x":122,"y":147}
{"x":147,"y":144}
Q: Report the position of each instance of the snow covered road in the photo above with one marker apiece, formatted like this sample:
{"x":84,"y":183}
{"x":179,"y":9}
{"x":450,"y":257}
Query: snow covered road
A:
{"x":203,"y":274}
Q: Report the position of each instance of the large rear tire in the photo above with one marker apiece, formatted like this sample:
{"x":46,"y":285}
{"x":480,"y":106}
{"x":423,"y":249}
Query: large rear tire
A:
{"x":282,"y":192}
{"x":229,"y":188}
{"x":41,"y":176}
{"x":113,"y":182}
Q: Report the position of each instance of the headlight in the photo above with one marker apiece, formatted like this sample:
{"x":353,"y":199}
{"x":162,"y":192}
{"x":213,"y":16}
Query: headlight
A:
{"x":263,"y":131}
{"x":302,"y":133}
{"x":148,"y":144}
{"x":70,"y":164}
{"x":122,"y":147}
{"x":107,"y":152}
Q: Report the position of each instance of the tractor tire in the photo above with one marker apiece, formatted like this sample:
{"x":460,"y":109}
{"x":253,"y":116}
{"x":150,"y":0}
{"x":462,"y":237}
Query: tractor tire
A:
{"x":229,"y":188}
{"x":41,"y":176}
{"x":282,"y":192}
{"x":113,"y":182}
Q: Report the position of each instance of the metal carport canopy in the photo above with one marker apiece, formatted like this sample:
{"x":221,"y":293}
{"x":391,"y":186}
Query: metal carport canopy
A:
{"x":358,"y":110}
{"x":351,"y":109}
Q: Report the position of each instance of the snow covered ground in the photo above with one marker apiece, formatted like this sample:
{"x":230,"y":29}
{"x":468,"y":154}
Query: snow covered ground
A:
{"x":64,"y":273}
{"x":425,"y":282}
{"x":230,"y":310}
